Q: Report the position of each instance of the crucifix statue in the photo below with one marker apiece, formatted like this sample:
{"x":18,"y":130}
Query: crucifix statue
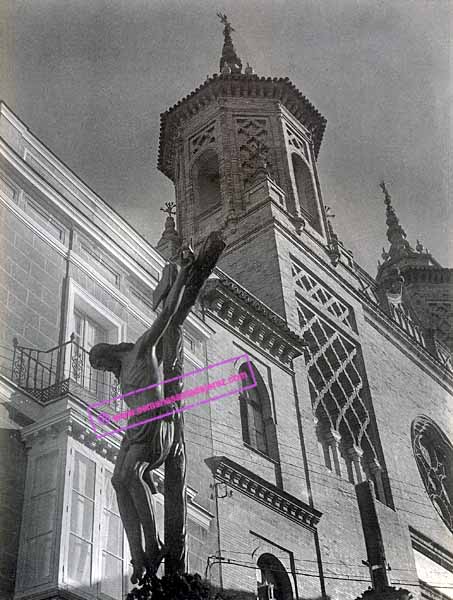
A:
{"x":145,"y":447}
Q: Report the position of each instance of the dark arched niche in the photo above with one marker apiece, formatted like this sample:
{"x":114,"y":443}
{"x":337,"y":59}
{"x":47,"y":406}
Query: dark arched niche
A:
{"x":206,"y":175}
{"x":274,"y":575}
{"x":305,"y":190}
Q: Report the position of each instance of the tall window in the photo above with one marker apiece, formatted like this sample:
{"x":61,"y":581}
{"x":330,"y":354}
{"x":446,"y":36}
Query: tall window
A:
{"x":111,"y":542}
{"x":258,"y":427}
{"x":95,"y":549}
{"x":305,"y":190}
{"x":39,"y":521}
{"x":252,"y":417}
{"x":87,"y":333}
{"x":207,"y":181}
{"x":81,"y":522}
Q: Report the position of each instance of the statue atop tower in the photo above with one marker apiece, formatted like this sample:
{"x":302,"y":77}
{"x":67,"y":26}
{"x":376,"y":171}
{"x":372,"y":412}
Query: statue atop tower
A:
{"x":229,"y":61}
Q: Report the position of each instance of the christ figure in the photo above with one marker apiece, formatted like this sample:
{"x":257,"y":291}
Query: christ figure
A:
{"x":147,"y":446}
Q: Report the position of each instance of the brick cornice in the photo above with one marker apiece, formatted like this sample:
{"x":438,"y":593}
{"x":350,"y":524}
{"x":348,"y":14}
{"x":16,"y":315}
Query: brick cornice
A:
{"x":247,"y":315}
{"x":250,"y":484}
{"x":236,"y":85}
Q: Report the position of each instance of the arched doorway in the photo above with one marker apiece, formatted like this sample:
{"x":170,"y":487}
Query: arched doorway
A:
{"x":275,"y":583}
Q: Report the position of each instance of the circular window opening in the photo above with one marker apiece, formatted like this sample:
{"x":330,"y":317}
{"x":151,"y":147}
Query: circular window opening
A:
{"x":434,"y":457}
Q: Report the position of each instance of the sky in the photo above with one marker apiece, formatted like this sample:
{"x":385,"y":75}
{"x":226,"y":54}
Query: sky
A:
{"x":91,"y":77}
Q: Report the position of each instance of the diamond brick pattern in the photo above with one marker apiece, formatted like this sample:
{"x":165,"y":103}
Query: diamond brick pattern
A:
{"x":315,"y":291}
{"x":334,"y":373}
{"x":335,"y":380}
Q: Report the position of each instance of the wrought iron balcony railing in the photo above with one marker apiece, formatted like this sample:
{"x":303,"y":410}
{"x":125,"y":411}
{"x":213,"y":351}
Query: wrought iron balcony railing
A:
{"x":49,"y":374}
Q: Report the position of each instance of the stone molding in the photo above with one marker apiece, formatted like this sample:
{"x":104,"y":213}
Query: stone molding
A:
{"x":71,"y":422}
{"x":250,"y":484}
{"x":431,"y":549}
{"x":240,"y":309}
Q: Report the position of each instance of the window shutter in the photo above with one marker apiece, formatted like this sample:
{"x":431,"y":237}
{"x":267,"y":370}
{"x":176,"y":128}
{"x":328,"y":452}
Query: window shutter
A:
{"x":111,"y":583}
{"x":81,"y":521}
{"x":40,"y":530}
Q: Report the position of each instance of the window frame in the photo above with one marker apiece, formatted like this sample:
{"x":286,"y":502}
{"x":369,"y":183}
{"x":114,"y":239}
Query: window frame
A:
{"x":95,"y":588}
{"x":79,"y":300}
{"x":265,"y":404}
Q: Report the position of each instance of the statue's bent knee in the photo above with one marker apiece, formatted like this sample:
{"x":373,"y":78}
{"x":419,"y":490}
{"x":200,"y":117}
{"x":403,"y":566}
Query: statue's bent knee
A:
{"x":123,"y":478}
{"x":117,"y":482}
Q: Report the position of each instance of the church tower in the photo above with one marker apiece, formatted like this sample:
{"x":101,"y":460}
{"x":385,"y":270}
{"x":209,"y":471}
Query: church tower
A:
{"x":411,"y":282}
{"x":241,"y":150}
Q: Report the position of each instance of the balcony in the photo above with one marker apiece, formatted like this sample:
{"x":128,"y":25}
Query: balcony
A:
{"x":65,"y":369}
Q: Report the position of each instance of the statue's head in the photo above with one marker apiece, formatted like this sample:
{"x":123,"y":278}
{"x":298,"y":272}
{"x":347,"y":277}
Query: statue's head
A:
{"x":107,"y":357}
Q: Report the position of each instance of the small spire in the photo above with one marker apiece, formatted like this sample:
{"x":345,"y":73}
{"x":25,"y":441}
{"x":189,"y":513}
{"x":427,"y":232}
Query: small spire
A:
{"x":170,"y":232}
{"x":400,"y":253}
{"x":170,"y":209}
{"x":395,"y":233}
{"x":169,"y":242}
{"x":248,"y":70}
{"x":229,"y":59}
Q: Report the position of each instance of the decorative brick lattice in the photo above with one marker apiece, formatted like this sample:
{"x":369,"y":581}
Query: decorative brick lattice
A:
{"x":335,"y":380}
{"x":403,"y":316}
{"x":202,"y":140}
{"x":335,"y":375}
{"x":253,"y":134}
{"x":296,"y":141}
{"x":315,"y":291}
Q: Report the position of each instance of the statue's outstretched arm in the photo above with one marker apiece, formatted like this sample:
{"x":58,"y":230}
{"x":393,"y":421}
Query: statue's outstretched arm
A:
{"x":171,"y":305}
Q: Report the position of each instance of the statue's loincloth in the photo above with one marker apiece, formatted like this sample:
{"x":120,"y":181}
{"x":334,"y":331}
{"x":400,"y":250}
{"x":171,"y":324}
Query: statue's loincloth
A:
{"x":155,"y":438}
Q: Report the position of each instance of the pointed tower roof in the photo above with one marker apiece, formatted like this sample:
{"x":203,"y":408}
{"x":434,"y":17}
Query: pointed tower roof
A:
{"x":400,"y":253}
{"x":232,"y":82}
{"x":396,"y":235}
{"x":229,"y":61}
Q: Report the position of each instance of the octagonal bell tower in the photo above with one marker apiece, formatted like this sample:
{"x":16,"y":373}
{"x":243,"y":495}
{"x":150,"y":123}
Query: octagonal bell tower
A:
{"x":241,"y":151}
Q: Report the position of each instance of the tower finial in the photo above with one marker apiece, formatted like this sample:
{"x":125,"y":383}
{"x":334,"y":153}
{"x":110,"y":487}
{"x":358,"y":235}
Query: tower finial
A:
{"x":396,"y":235}
{"x":170,"y":209}
{"x":229,"y":61}
{"x":170,"y":241}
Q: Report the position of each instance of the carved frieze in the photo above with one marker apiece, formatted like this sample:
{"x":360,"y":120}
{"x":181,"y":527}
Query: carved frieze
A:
{"x":203,"y":139}
{"x":254,"y":146}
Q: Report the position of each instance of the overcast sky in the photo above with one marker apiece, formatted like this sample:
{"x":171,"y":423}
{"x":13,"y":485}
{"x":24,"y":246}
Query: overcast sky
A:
{"x":91,"y":77}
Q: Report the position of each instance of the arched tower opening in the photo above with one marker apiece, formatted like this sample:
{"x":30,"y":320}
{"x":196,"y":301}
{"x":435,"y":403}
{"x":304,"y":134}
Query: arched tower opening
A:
{"x":206,"y":179}
{"x":305,"y":190}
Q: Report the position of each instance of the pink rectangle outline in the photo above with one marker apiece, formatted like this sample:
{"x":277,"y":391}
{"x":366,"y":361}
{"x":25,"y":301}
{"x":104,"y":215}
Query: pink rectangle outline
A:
{"x":173,"y":411}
